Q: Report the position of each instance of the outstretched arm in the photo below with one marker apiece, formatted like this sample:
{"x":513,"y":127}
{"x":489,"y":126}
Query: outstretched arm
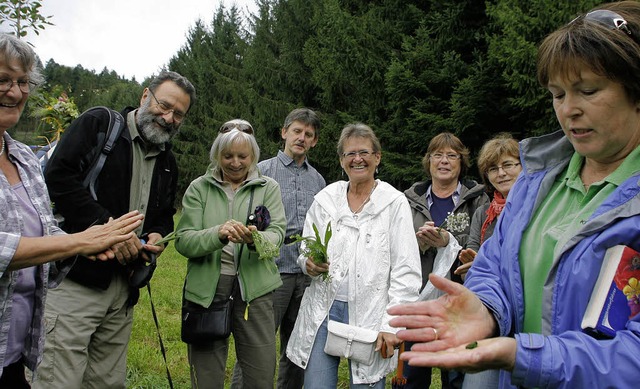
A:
{"x":443,"y":328}
{"x":94,"y":241}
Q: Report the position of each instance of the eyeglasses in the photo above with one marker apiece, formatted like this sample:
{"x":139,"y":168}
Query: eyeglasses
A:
{"x":362,"y":154}
{"x":178,"y":116}
{"x":609,"y":18}
{"x":507,"y":167}
{"x":440,"y":156}
{"x":25,"y":86}
{"x":228,"y":126}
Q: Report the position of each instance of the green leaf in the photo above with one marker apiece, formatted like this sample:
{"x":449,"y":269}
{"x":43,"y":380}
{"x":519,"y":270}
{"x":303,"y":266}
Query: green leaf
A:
{"x":327,"y":233}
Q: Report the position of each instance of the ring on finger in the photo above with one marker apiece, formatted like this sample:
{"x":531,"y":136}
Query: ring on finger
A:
{"x":435,"y":332}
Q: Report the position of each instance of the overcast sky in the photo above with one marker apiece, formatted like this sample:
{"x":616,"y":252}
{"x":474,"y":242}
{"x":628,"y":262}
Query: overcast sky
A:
{"x":132,"y":37}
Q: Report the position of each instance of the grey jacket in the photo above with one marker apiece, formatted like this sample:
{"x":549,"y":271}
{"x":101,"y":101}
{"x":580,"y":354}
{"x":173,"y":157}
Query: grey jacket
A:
{"x":472,"y":196}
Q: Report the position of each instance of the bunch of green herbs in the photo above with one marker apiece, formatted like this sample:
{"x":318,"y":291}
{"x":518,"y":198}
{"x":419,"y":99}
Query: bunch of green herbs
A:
{"x":315,"y":248}
{"x":266,"y":250}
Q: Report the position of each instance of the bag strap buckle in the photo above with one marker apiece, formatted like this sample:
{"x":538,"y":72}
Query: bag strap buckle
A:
{"x":350,"y":337}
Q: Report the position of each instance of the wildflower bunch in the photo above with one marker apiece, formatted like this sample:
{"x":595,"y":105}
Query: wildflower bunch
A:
{"x":266,"y":250}
{"x":457,"y":222}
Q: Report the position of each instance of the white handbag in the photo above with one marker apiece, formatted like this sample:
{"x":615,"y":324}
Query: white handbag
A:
{"x":355,"y":343}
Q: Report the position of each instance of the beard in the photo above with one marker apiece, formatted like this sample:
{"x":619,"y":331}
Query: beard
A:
{"x":153,"y":128}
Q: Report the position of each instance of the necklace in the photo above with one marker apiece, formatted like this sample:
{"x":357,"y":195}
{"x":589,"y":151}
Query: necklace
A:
{"x":366,"y":200}
{"x":2,"y":151}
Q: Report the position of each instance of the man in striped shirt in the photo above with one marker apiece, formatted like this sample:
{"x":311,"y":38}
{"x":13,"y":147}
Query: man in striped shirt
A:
{"x":299,"y":183}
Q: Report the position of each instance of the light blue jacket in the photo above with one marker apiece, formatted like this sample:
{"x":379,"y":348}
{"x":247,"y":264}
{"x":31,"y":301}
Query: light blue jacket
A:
{"x":563,"y":356}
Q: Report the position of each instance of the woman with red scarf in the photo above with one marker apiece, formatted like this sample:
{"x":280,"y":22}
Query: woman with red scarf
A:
{"x":499,"y":165}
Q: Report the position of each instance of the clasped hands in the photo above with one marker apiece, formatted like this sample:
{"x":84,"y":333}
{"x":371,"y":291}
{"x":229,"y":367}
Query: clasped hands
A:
{"x":445,"y":331}
{"x":431,"y":236}
{"x":133,"y":248}
{"x":236,"y":232}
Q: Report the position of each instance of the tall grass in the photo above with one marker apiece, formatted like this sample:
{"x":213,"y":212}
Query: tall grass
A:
{"x":146,"y":367}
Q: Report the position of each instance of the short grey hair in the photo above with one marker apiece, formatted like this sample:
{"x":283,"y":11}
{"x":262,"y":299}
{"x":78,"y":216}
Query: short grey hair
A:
{"x":224,"y":142}
{"x":358,"y":130}
{"x":13,"y":48}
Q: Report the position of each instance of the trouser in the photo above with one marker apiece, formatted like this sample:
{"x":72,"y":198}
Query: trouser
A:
{"x":286,"y":303}
{"x":13,"y":376}
{"x":488,"y":379}
{"x":88,"y":332}
{"x":255,"y":343}
{"x":419,"y":377}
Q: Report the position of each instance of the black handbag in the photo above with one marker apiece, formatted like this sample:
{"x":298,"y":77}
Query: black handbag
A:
{"x":204,"y":325}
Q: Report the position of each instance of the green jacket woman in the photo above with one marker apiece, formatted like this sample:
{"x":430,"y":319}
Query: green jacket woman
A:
{"x":222,"y":261}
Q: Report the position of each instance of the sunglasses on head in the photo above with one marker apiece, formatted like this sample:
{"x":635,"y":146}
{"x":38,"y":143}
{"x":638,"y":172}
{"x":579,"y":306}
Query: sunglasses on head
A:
{"x":608,"y":18}
{"x":246,"y":128}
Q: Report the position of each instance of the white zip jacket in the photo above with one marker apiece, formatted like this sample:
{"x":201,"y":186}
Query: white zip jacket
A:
{"x":377,"y":253}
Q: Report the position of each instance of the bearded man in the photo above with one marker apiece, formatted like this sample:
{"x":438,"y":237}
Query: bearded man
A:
{"x":89,"y":316}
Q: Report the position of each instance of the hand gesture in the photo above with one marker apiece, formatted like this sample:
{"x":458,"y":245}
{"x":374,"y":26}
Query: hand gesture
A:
{"x":431,"y":236}
{"x":97,"y":242}
{"x":466,"y":256}
{"x":236,"y":232}
{"x":454,"y":319}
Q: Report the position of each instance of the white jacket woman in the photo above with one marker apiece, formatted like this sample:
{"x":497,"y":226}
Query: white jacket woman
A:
{"x":377,"y":251}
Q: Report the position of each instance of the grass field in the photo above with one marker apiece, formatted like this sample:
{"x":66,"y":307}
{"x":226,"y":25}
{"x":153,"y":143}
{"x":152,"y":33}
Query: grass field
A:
{"x":146,"y":367}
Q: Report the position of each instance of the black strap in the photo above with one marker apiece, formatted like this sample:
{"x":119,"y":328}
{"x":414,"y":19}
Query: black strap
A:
{"x":116,"y":124}
{"x":162,"y":349}
{"x":248,"y":214}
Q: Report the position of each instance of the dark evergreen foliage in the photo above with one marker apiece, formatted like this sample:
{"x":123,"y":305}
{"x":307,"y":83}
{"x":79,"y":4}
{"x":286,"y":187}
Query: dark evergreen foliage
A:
{"x":409,"y":69}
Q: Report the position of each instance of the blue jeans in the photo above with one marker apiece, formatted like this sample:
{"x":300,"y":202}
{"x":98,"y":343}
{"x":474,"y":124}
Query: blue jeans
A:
{"x":322,"y":369}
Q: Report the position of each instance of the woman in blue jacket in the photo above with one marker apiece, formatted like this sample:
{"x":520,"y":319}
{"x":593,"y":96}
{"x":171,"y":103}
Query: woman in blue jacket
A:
{"x":579,"y":194}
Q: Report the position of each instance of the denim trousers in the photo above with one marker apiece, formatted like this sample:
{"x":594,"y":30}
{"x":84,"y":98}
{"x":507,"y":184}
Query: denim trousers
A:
{"x":322,"y":369}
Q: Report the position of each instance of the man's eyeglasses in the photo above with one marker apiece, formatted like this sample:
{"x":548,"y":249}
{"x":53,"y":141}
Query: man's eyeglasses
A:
{"x":440,"y":156}
{"x":25,"y":86}
{"x":178,"y":116}
{"x":236,"y":125}
{"x":362,"y":153}
{"x":608,"y":18}
{"x":508,"y":167}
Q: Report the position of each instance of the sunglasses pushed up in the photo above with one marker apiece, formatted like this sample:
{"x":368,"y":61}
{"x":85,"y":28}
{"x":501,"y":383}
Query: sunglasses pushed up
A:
{"x":236,"y":124}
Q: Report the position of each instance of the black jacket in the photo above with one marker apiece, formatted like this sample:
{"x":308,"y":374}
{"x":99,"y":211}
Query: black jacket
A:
{"x":64,"y":175}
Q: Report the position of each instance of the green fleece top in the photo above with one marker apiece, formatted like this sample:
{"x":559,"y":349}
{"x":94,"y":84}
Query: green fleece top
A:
{"x":205,"y":207}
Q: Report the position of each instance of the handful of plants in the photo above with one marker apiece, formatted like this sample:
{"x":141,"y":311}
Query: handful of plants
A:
{"x":266,"y":250}
{"x":315,"y":248}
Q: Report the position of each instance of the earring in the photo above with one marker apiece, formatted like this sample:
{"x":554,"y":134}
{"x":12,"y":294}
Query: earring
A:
{"x":376,"y":170}
{"x":342,"y":174}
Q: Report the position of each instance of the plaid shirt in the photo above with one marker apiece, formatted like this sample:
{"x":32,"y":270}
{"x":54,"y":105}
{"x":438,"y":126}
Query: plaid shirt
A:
{"x":11,"y":225}
{"x":298,"y":185}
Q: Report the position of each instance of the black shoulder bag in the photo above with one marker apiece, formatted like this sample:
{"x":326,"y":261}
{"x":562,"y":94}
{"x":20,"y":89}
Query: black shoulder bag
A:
{"x":207,"y":324}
